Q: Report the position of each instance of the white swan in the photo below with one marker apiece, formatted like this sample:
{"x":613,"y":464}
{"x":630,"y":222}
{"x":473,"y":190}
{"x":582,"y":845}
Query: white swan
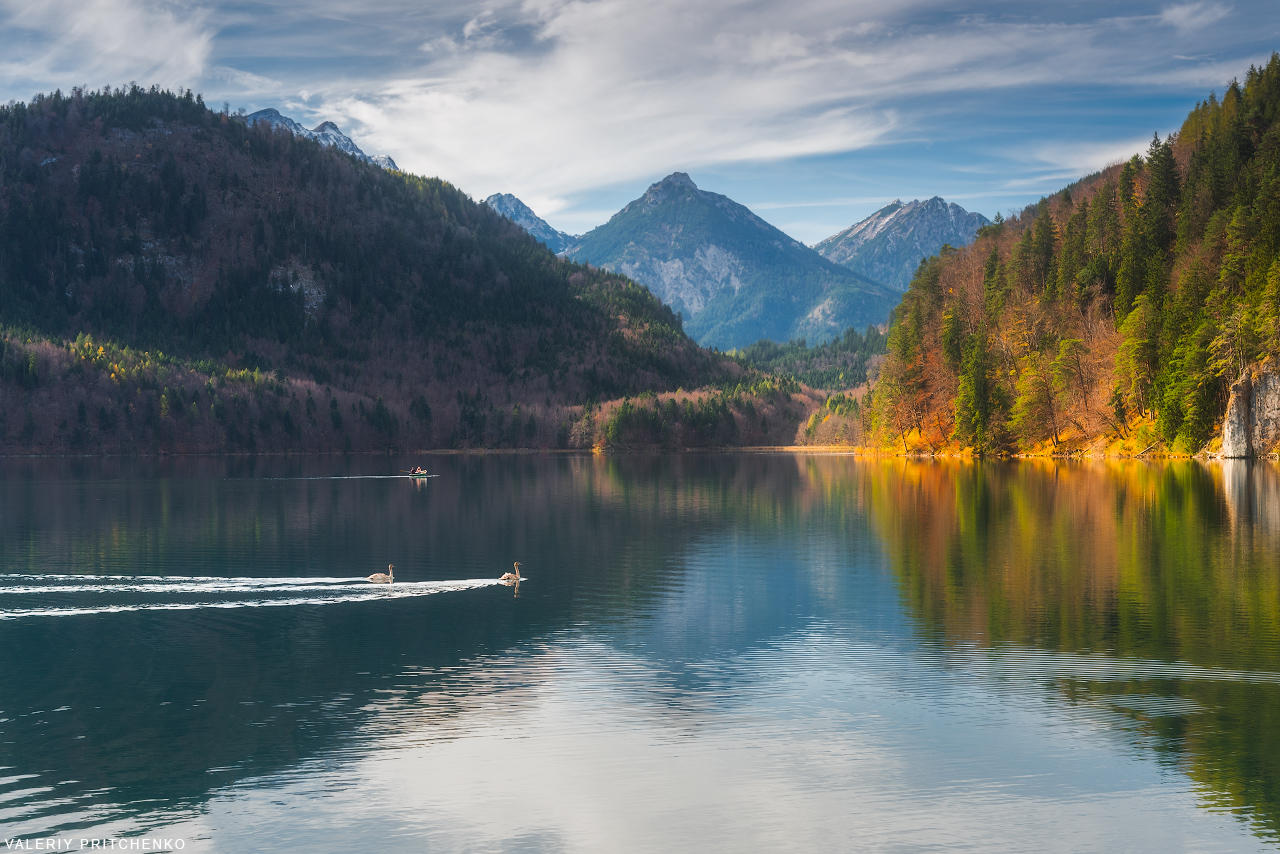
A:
{"x":512,"y":576}
{"x":387,"y":577}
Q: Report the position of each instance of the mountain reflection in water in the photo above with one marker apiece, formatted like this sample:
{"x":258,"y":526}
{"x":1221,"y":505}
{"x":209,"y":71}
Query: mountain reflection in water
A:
{"x":713,"y":652}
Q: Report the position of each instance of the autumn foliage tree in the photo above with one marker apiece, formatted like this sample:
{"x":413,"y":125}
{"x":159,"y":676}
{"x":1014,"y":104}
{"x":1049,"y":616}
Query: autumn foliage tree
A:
{"x":1139,"y":292}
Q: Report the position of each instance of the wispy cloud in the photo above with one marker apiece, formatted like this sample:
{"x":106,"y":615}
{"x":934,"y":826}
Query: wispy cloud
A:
{"x":557,"y":99}
{"x":821,"y":203}
{"x":1191,"y":17}
{"x":1067,"y":160}
{"x":245,"y":81}
{"x":97,"y":42}
{"x":610,"y":91}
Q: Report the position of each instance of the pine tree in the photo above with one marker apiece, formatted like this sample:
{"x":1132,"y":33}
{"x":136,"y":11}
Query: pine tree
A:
{"x":1138,"y":356}
{"x":1073,"y":260}
{"x":1043,"y":262}
{"x":1159,"y":205}
{"x":953,"y":338}
{"x":1035,"y":409}
{"x":994,"y":286}
{"x":979,"y":398}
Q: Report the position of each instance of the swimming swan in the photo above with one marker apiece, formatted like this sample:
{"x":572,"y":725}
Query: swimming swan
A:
{"x":512,"y":576}
{"x":384,"y":577}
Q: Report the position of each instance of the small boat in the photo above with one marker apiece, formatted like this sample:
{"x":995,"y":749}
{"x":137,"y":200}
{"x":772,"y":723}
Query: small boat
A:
{"x":418,"y":471}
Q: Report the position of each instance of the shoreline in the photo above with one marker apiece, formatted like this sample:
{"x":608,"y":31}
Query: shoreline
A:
{"x":810,"y":450}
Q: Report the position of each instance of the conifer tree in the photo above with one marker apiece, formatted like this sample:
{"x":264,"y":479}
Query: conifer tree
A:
{"x":1137,"y":358}
{"x":994,"y":284}
{"x":1035,"y":409}
{"x":980,"y":401}
{"x":1073,"y":262}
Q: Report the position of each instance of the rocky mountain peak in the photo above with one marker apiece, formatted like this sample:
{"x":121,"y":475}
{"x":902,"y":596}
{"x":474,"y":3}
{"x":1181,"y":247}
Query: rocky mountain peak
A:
{"x":678,"y":179}
{"x":326,"y":133}
{"x":731,"y":275}
{"x":675,"y":183}
{"x":888,"y":245}
{"x":523,"y":216}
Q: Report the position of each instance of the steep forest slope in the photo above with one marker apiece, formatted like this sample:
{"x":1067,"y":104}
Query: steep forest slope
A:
{"x":173,"y":278}
{"x":1120,"y":308}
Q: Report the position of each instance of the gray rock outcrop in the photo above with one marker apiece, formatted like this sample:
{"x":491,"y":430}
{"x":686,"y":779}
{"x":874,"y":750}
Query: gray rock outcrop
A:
{"x":1252,"y":425}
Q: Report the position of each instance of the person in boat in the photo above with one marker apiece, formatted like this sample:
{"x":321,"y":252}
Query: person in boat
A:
{"x":418,"y":470}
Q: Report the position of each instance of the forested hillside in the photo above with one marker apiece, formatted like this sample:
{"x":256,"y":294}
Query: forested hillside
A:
{"x":837,"y":365}
{"x":172,"y":278}
{"x":1119,"y":309}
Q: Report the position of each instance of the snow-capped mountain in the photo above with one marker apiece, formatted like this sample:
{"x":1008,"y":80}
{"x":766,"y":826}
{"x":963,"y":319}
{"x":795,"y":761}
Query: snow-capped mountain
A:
{"x":888,"y":245}
{"x":326,"y":133}
{"x":523,"y":216}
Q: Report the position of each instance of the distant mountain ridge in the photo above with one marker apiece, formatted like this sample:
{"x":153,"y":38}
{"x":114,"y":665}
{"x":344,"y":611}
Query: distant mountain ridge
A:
{"x":325,"y":133}
{"x":523,"y":216}
{"x":888,"y":245}
{"x":733,"y":276}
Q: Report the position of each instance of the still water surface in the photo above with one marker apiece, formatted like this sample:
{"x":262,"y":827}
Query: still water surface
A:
{"x":711,"y":653}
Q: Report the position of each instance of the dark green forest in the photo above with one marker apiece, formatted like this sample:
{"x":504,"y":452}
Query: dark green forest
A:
{"x":834,"y":365}
{"x":191,"y":251}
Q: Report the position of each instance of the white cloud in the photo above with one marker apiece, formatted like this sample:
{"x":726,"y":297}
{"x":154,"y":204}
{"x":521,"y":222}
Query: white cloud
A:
{"x":1190,"y":17}
{"x":246,"y":82}
{"x":556,"y":100}
{"x":822,"y":203}
{"x":612,"y":91}
{"x":624,"y":90}
{"x":104,"y":41}
{"x":1069,"y":160}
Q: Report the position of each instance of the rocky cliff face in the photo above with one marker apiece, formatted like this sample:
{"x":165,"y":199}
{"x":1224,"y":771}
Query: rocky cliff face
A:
{"x":1252,"y":425}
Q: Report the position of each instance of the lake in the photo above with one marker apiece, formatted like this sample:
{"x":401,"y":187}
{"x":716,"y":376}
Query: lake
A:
{"x":719,"y":652}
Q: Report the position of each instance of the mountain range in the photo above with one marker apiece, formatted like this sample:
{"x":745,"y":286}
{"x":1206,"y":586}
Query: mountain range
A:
{"x":733,"y":277}
{"x":888,"y":245}
{"x":325,"y":133}
{"x":736,"y":279}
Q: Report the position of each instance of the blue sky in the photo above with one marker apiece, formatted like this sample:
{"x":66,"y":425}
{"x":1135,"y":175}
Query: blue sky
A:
{"x":814,"y":114}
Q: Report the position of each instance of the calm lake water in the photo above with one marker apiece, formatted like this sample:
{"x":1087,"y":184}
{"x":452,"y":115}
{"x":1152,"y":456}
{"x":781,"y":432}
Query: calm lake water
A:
{"x":711,"y":653}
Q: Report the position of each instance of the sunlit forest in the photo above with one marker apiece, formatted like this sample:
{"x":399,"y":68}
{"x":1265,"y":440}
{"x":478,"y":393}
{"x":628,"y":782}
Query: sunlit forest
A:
{"x":1118,"y":310}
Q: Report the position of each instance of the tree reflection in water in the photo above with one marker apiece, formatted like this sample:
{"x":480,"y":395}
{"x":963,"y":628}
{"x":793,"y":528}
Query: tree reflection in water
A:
{"x":1130,"y":562}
